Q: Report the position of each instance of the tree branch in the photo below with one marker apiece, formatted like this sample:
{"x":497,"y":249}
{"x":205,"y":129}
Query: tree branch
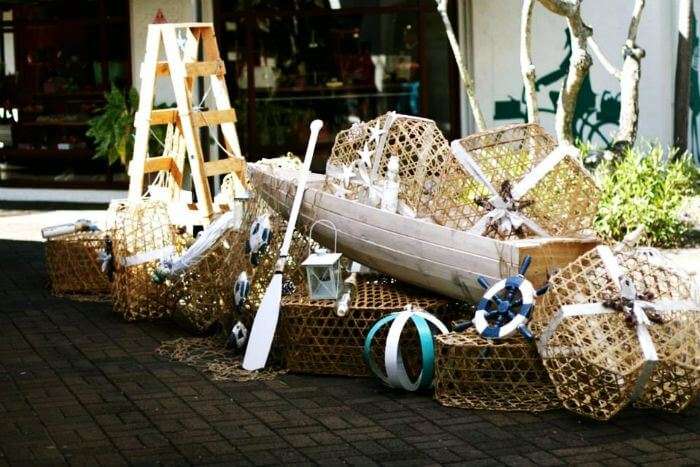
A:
{"x":603,"y":59}
{"x":526,"y":66}
{"x":461,"y":67}
{"x":629,"y":84}
{"x":566,"y":8}
{"x":579,"y":65}
{"x":636,"y":18}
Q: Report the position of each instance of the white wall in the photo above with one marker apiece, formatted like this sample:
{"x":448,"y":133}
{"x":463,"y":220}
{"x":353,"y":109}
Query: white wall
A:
{"x":496,"y":42}
{"x":142,"y":13}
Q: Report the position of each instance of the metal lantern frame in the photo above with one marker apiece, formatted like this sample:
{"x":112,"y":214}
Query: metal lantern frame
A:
{"x":319,"y":265}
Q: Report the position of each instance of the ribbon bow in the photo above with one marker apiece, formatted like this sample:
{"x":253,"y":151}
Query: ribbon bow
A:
{"x":504,"y":214}
{"x":641,"y":310}
{"x":506,"y":203}
{"x":106,"y":259}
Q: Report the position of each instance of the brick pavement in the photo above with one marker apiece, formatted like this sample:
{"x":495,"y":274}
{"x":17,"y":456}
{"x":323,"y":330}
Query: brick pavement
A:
{"x":80,"y":386}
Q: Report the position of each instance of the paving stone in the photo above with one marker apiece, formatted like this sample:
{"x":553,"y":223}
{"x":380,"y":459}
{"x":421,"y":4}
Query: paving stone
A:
{"x":80,"y":386}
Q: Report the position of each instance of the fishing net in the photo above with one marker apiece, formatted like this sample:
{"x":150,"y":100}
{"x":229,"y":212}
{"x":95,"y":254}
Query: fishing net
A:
{"x":73,"y":267}
{"x":314,"y":339}
{"x":203,"y":293}
{"x":143,"y":234}
{"x":506,"y":374}
{"x":209,"y":355}
{"x":563,"y":202}
{"x":596,"y":360}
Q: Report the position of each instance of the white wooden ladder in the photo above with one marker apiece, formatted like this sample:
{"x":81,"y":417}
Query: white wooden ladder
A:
{"x":181,"y":42}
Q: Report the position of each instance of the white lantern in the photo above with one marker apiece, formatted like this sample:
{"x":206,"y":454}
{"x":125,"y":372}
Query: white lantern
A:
{"x":323,"y":273}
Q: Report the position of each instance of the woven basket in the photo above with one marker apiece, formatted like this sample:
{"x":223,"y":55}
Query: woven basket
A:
{"x":564,"y":202}
{"x":203,"y":293}
{"x":314,"y":339}
{"x":595,"y":361}
{"x":72,"y":265}
{"x":142,"y":227}
{"x":506,"y":374}
{"x":417,"y":142}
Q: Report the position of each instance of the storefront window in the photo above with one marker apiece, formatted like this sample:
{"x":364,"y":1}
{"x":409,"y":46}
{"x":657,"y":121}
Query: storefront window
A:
{"x":343,"y":61}
{"x":59,"y":57}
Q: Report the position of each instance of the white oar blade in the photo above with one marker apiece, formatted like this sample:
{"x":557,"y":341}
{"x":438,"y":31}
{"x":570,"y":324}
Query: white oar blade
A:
{"x":263,"y":331}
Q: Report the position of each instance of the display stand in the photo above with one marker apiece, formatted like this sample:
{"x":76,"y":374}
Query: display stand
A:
{"x":181,"y":43}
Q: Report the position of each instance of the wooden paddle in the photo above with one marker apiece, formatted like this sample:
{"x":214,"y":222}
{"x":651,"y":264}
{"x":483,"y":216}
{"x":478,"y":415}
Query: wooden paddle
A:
{"x":265,"y":323}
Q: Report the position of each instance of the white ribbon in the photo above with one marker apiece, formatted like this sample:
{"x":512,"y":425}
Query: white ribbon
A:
{"x":626,"y":288}
{"x":396,"y":375}
{"x":504,"y":214}
{"x":147,"y":256}
{"x":205,"y":241}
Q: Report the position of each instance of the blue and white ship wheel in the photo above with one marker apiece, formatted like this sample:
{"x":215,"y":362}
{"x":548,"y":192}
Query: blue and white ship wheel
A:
{"x":505,"y":307}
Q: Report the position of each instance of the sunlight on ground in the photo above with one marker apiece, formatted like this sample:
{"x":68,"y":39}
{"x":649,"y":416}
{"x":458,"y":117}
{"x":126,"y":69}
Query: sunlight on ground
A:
{"x":27,"y":225}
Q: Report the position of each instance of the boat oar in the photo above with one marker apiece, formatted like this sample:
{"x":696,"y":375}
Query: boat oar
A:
{"x":263,"y":331}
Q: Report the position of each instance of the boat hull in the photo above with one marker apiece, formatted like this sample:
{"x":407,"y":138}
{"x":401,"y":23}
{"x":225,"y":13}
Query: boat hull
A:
{"x":421,"y":253}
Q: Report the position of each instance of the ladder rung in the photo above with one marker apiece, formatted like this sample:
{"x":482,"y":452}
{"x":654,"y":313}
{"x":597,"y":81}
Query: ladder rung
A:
{"x":167,"y":163}
{"x":163,"y":116}
{"x":194,"y":69}
{"x":213,"y":117}
{"x":223,"y":166}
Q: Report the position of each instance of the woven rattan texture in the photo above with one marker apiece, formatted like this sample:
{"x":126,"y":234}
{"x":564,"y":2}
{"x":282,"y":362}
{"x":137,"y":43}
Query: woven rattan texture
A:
{"x":141,"y":228}
{"x":203,"y":293}
{"x":475,"y":373}
{"x":595,"y":361}
{"x":72,"y":265}
{"x":419,"y":145}
{"x":564,"y":201}
{"x":314,"y":339}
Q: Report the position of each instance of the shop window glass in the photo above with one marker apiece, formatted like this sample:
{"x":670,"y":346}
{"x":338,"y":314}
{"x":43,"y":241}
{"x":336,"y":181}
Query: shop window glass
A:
{"x":58,"y":59}
{"x":341,"y":69}
{"x":341,"y":61}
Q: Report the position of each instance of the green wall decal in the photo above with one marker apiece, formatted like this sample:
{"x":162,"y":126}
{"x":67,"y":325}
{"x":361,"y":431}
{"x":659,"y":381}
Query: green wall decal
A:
{"x":596,"y":115}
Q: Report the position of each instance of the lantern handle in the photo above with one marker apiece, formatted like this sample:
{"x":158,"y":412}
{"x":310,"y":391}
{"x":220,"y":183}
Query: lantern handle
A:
{"x":330,"y":224}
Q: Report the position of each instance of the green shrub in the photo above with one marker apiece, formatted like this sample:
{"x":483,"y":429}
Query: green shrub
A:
{"x":646,"y":187}
{"x":113,"y":127}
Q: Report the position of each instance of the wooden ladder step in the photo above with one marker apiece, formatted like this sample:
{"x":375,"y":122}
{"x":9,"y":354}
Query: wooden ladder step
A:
{"x":224,"y":166}
{"x":199,"y":118}
{"x":167,"y":163}
{"x":213,"y":117}
{"x":195,"y":69}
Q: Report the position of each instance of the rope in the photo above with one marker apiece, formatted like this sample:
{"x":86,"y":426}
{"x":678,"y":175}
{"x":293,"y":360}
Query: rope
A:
{"x":209,"y":355}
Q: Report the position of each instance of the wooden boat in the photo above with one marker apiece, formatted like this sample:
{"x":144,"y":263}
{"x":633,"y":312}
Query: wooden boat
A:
{"x":415,"y":251}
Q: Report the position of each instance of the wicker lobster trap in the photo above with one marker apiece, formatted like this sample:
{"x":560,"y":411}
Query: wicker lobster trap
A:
{"x":143,"y":234}
{"x":620,"y":327}
{"x":314,"y":339}
{"x":417,"y":142}
{"x":203,"y":293}
{"x":476,"y":373}
{"x":73,"y":266}
{"x":510,"y":182}
{"x":514,"y":182}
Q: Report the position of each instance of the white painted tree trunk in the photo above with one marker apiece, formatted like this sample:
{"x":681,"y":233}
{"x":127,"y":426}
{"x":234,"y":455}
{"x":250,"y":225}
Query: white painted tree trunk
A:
{"x":526,"y":66}
{"x":629,"y":84}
